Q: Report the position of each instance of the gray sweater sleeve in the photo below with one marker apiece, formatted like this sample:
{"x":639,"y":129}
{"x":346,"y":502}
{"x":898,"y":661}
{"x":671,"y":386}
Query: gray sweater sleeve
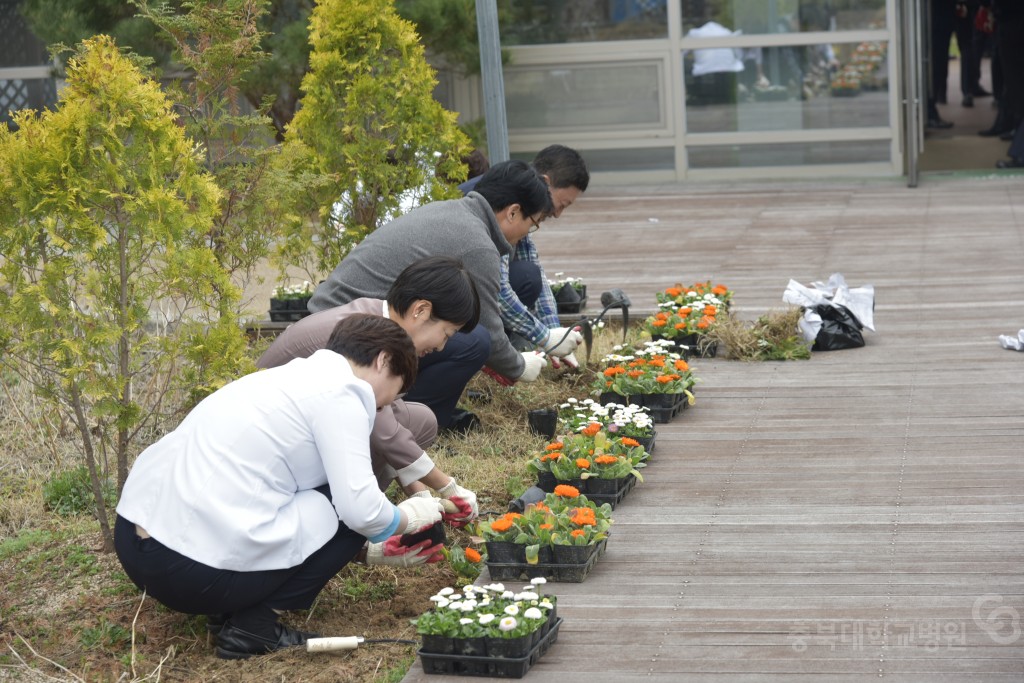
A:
{"x":484,"y":267}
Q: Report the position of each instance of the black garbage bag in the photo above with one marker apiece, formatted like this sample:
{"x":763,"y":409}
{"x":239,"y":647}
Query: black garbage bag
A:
{"x":840,"y":329}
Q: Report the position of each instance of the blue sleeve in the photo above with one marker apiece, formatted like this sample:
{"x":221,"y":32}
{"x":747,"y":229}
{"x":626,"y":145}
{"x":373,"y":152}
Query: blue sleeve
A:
{"x":392,"y":528}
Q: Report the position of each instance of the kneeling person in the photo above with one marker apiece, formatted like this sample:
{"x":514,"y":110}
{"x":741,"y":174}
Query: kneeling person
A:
{"x":265,"y":490}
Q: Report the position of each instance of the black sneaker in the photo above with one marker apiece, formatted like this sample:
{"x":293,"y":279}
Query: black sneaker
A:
{"x":234,"y":643}
{"x":462,"y":422}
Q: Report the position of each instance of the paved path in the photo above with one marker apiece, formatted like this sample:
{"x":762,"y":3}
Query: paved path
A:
{"x":853,"y":517}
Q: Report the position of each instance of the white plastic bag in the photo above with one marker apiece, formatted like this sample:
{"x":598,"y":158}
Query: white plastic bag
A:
{"x":860,"y":301}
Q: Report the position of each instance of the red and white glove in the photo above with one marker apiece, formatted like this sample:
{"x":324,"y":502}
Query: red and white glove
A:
{"x":463,"y":499}
{"x":393,"y":554}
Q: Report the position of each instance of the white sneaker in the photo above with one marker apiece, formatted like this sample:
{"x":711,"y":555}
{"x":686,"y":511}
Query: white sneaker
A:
{"x":1020,"y":335}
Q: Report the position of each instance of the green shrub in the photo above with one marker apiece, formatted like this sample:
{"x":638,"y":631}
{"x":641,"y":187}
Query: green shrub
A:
{"x":69,"y":493}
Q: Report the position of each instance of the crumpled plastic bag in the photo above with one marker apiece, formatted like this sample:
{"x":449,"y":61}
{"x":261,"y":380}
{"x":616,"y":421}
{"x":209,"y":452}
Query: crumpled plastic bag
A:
{"x":834,"y":313}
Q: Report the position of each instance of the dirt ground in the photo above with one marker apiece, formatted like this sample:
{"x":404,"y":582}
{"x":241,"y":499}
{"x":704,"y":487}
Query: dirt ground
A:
{"x":69,"y":613}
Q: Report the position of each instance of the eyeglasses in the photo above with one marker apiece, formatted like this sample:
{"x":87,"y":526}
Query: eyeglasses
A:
{"x":536,"y":225}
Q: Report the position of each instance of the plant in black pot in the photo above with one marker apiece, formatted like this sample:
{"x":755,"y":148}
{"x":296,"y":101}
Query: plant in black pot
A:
{"x":289,"y":302}
{"x":570,"y":293}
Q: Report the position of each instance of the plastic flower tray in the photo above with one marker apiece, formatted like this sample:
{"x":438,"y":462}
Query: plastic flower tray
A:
{"x":613,"y":499}
{"x":662,"y":407}
{"x":560,"y":573}
{"x":494,"y":667}
{"x":574,"y":307}
{"x":286,"y":315}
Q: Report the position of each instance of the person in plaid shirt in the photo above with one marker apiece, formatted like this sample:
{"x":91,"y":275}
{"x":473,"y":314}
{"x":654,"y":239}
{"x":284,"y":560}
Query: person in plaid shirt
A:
{"x":527,"y":306}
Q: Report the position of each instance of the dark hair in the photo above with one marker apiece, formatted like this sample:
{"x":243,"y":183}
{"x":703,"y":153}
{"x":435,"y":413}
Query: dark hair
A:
{"x":515,"y":182}
{"x":477,"y":163}
{"x":563,"y":166}
{"x":361,"y":337}
{"x":445,"y":283}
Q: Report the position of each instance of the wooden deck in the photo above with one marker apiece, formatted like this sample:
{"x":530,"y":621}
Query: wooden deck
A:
{"x":853,"y":517}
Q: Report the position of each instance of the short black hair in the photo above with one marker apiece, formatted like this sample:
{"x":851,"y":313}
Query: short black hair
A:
{"x":563,"y":166}
{"x":361,"y":337}
{"x":445,"y":283}
{"x":515,"y":182}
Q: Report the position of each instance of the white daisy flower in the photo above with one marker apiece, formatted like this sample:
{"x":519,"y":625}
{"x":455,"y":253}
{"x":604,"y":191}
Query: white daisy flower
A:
{"x":533,"y":613}
{"x":485,"y":619}
{"x":507,"y":623}
{"x":512,"y":610}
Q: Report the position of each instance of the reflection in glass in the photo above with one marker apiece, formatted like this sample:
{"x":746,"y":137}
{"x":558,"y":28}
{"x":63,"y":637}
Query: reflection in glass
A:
{"x":536,"y":22}
{"x":789,"y":154}
{"x":606,"y":95}
{"x":798,"y":87}
{"x":621,"y":160}
{"x":785,"y":16}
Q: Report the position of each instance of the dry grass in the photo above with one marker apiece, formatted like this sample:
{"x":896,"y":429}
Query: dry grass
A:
{"x":70,"y":613}
{"x":773,"y":336}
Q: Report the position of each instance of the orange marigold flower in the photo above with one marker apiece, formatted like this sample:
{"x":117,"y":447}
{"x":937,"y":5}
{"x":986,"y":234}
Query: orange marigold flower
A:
{"x":556,"y":446}
{"x":636,"y":373}
{"x":576,"y":533}
{"x":674,"y":291}
{"x":665,"y":379}
{"x":607,"y":459}
{"x":501,"y":524}
{"x":512,"y":515}
{"x":626,"y":441}
{"x":680,"y":326}
{"x":541,"y":507}
{"x":703,"y":324}
{"x":554,"y":455}
{"x":658,"y":323}
{"x":719,"y":290}
{"x":710,"y":310}
{"x":685,"y":311}
{"x":473,"y":556}
{"x":682,"y":365}
{"x":608,"y":383}
{"x":661,"y":315}
{"x":658,"y":362}
{"x":583,"y":463}
{"x":592,"y":429}
{"x":547,"y":525}
{"x":614,"y":370}
{"x":566,"y":491}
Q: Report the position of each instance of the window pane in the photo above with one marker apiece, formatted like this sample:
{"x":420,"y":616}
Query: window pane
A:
{"x":535,"y":22}
{"x":790,"y":154}
{"x":784,"y":16}
{"x":606,"y":95}
{"x":787,"y":88}
{"x":620,"y":160}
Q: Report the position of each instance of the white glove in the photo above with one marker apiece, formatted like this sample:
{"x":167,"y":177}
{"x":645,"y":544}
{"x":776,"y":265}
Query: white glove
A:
{"x":534,"y":364}
{"x":421,"y":494}
{"x":421,"y":512}
{"x":453,"y":491}
{"x":565,"y":341}
{"x":569,"y":361}
{"x":393,"y":554}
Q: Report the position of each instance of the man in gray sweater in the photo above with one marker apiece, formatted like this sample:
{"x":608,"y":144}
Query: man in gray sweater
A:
{"x":509,"y":202}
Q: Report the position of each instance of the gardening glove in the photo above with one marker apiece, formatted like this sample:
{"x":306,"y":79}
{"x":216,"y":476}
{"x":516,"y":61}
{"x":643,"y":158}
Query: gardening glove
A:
{"x":534,"y":364}
{"x":568,"y":361}
{"x":464,"y":500}
{"x":421,"y":512}
{"x":562,"y":341}
{"x":393,"y":554}
{"x":421,"y":494}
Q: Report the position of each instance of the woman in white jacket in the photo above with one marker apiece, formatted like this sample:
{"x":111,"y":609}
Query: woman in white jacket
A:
{"x":265,"y":490}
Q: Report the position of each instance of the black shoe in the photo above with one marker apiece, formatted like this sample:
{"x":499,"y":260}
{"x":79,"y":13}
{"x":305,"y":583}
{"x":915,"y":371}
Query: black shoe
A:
{"x":215,"y":622}
{"x":234,"y":643}
{"x":1008,"y":135}
{"x":981,"y":92}
{"x":462,"y":422}
{"x":991,"y":132}
{"x":939,"y":123}
{"x":968,"y":101}
{"x":1010,"y":163}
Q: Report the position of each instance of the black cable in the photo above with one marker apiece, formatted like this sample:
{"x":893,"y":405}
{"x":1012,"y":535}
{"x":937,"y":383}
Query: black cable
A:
{"x":614,"y":301}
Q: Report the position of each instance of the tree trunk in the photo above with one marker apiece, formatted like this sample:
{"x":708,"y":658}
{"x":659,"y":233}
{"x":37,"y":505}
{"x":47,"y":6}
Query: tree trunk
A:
{"x":90,"y":462}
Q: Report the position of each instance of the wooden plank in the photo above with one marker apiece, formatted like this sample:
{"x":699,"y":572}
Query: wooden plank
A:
{"x":856,"y":516}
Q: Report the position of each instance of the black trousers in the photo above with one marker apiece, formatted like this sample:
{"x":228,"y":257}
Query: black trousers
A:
{"x":444,"y":374}
{"x":185,"y":585}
